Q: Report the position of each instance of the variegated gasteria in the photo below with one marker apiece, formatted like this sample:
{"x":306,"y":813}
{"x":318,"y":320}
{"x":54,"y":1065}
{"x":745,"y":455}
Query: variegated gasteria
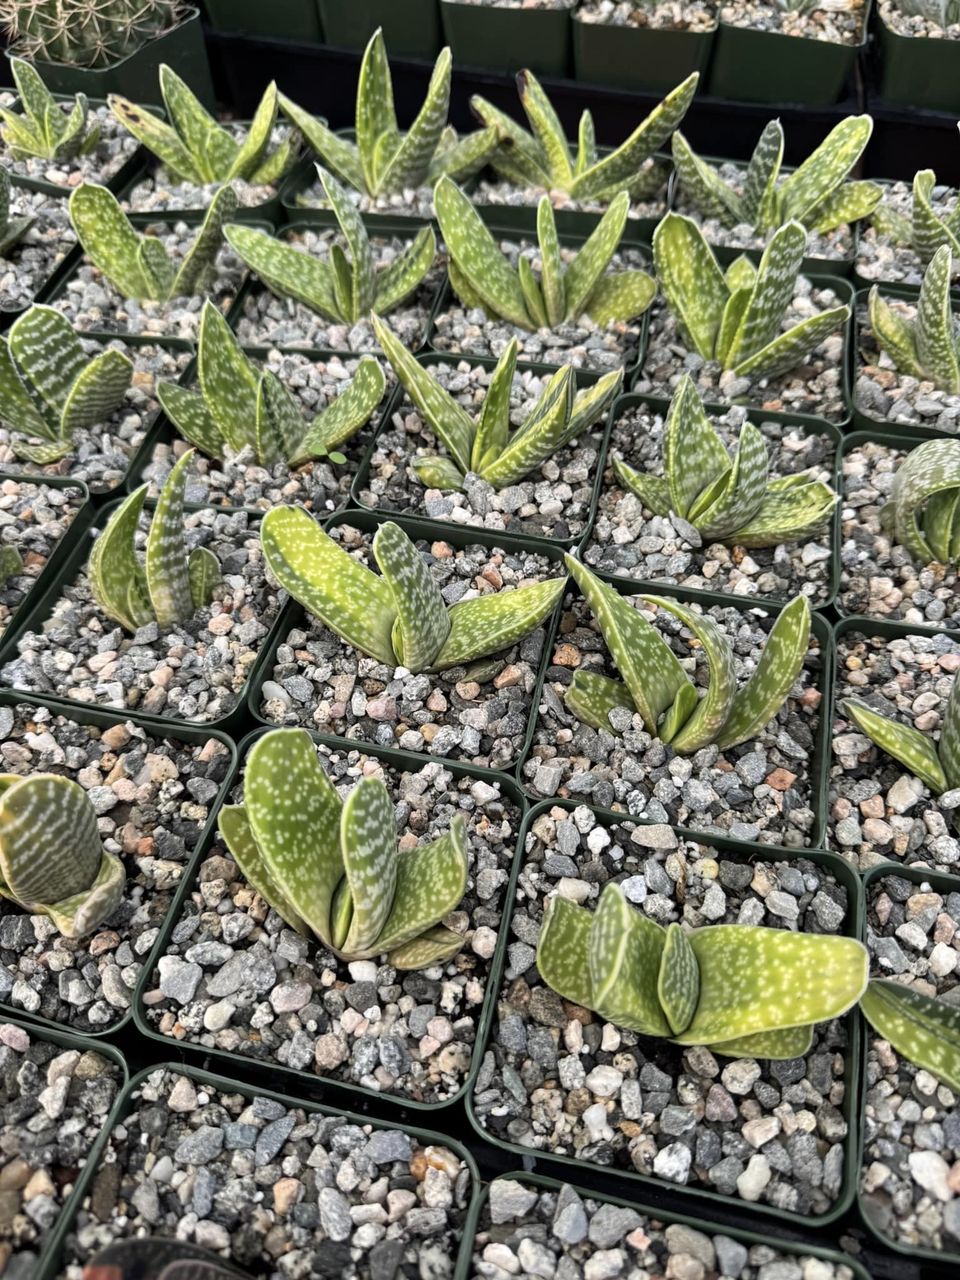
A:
{"x":12,"y":230}
{"x":543,"y":160}
{"x":482,"y":276}
{"x":137,"y":265}
{"x":397,"y":616}
{"x":927,"y":347}
{"x":384,"y":161}
{"x":726,"y":500}
{"x":344,"y":289}
{"x":922,"y":1029}
{"x":655,"y":685}
{"x":923,"y":512}
{"x":925,"y":230}
{"x":170,"y":584}
{"x":485,"y":445}
{"x":736,"y":316}
{"x":41,"y":128}
{"x":50,"y":387}
{"x":51,"y":860}
{"x":195,"y":148}
{"x":816,"y":194}
{"x":744,"y":991}
{"x":332,"y":867}
{"x":241,"y":407}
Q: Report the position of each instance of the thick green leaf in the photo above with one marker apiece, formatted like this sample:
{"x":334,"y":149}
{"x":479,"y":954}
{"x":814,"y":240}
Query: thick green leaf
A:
{"x":279,"y":426}
{"x":410,"y":162}
{"x":620,"y":296}
{"x":780,"y":1045}
{"x":924,"y":1030}
{"x":584,"y":273}
{"x":547,"y":129}
{"x":362,"y":285}
{"x":691,"y":280}
{"x":35,"y":98}
{"x":934,"y":331}
{"x":949,"y":745}
{"x":462,"y":158}
{"x":156,"y":268}
{"x":792,"y":348}
{"x":475,"y":252}
{"x":591,"y":697}
{"x":902,"y":741}
{"x":289,"y":272}
{"x":694,"y":456}
{"x":928,"y":229}
{"x":204,"y":575}
{"x":493,"y":428}
{"x":251,"y":152}
{"x":342,"y":419}
{"x":168,"y":579}
{"x":653,"y":491}
{"x":368,"y":846}
{"x":108,"y":239}
{"x":200,"y":258}
{"x":17,"y":406}
{"x":544,"y":432}
{"x":421,"y":626}
{"x":237,"y":834}
{"x":759,"y":198}
{"x":337,"y":154}
{"x":532,"y":294}
{"x":431,"y":880}
{"x":399,"y":280}
{"x":743,"y":491}
{"x":563,"y":949}
{"x":437,"y":473}
{"x":190,"y":416}
{"x":211,"y":147}
{"x":678,"y":713}
{"x":586,"y":144}
{"x":930,"y":469}
{"x":624,"y":954}
{"x":894,"y":334}
{"x":227,"y":379}
{"x":160,"y":138}
{"x":678,"y":982}
{"x":703,"y":186}
{"x":849,"y":203}
{"x":376,"y":118}
{"x":433,"y":946}
{"x":790,"y":514}
{"x":551,"y":267}
{"x":520,"y":157}
{"x":117,"y":578}
{"x":772,"y":293}
{"x":825,"y":168}
{"x":711,"y":713}
{"x":51,"y":357}
{"x":491,"y":623}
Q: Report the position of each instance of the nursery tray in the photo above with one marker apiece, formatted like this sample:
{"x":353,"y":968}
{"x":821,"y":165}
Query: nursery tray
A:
{"x":652,"y":59}
{"x":509,"y":39}
{"x":411,"y":28}
{"x":920,"y":72}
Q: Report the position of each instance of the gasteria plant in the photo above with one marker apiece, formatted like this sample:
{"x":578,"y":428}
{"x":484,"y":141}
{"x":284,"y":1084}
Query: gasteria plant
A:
{"x":481,"y":275}
{"x":925,"y":230}
{"x":170,"y":584}
{"x":398,"y":616}
{"x":542,"y":159}
{"x":926,"y":1031}
{"x":50,"y":387}
{"x":332,"y":867}
{"x":740,"y":990}
{"x":12,"y":230}
{"x":85,"y":33}
{"x":485,"y":445}
{"x":927,"y":347}
{"x":736,"y":317}
{"x":655,"y":685}
{"x":42,"y":128}
{"x":942,"y":13}
{"x":343,"y":289}
{"x":922,"y":514}
{"x":733,"y":501}
{"x":138,"y":266}
{"x":384,"y":161}
{"x":51,"y":860}
{"x":816,"y":194}
{"x":195,"y":148}
{"x":241,"y":407}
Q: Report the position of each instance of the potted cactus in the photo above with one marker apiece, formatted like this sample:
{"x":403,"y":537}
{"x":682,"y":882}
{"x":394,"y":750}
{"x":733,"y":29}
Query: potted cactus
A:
{"x":411,"y":28}
{"x":510,"y":34}
{"x":917,"y":54}
{"x":639,"y":45}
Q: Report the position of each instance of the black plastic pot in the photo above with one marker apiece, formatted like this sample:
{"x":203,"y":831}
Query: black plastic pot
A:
{"x":651,"y":59}
{"x":918,"y":71}
{"x":284,"y":19}
{"x":509,"y":39}
{"x":49,"y":288}
{"x":411,"y":28}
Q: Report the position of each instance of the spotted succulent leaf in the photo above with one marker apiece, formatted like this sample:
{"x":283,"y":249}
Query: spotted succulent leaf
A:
{"x":929,"y":472}
{"x":901,"y":741}
{"x":117,"y":578}
{"x":493,"y":427}
{"x":788,"y":513}
{"x":790,"y":349}
{"x":772,"y":293}
{"x":825,"y":168}
{"x":584,"y":273}
{"x":406,"y":272}
{"x":547,"y":130}
{"x":703,"y":186}
{"x":494,"y":622}
{"x":712,"y":710}
{"x":167,"y":561}
{"x":934,"y":331}
{"x":474,"y":250}
{"x":563,"y":949}
{"x":198,"y":263}
{"x":12,"y":230}
{"x":928,"y":229}
{"x":693,"y":454}
{"x":238,"y":836}
{"x":228,"y":381}
{"x":431,"y":880}
{"x":923,"y":1029}
{"x":42,"y":129}
{"x":691,"y":281}
{"x":759,"y":201}
{"x":678,"y":980}
{"x":852,"y":202}
{"x":344,"y":417}
{"x":368,"y":845}
{"x":422,"y":622}
{"x":109,"y":239}
{"x":591,"y":697}
{"x":624,"y":955}
{"x":285,"y":270}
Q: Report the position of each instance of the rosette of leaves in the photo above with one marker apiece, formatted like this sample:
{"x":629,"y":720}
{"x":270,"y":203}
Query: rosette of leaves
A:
{"x":482,"y":276}
{"x":741,"y":990}
{"x":817,"y":194}
{"x":732,"y":500}
{"x":12,"y":230}
{"x":343,"y":289}
{"x":50,"y":387}
{"x":332,"y":867}
{"x":922,"y":515}
{"x":138,"y":266}
{"x":655,"y":685}
{"x":52,"y":862}
{"x":926,"y":347}
{"x":397,"y":616}
{"x":41,"y":128}
{"x":485,"y":445}
{"x":923,"y":1029}
{"x":384,"y":161}
{"x":195,"y":148}
{"x":170,"y":584}
{"x":736,"y":316}
{"x":240,"y":407}
{"x":542,"y":158}
{"x":925,"y":230}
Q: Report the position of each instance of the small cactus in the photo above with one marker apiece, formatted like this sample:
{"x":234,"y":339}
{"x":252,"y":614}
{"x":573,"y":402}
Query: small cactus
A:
{"x":85,"y":33}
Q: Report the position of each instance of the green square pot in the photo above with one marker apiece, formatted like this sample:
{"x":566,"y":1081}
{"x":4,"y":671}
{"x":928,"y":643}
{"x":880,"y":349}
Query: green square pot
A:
{"x":411,"y":28}
{"x":279,"y":19}
{"x":918,"y":71}
{"x":509,"y":39}
{"x":644,"y":59}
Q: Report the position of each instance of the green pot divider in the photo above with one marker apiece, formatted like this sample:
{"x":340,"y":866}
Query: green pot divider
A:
{"x":697,"y":1197}
{"x":279,"y":19}
{"x":642,"y":59}
{"x":506,"y":40}
{"x":411,"y":28}
{"x":919,"y":72}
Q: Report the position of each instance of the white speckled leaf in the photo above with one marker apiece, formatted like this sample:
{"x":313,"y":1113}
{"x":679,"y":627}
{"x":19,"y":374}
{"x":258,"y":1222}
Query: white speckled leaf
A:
{"x":678,"y":982}
{"x":825,"y":168}
{"x":703,"y":186}
{"x":591,"y":697}
{"x":211,"y":147}
{"x":406,"y":272}
{"x":368,"y":845}
{"x":928,"y":229}
{"x":935,"y":331}
{"x":362,"y":286}
{"x":691,"y":281}
{"x":199,"y":261}
{"x":540,"y":438}
{"x":585,"y":271}
{"x":653,"y":491}
{"x":411,"y":160}
{"x":189,"y":414}
{"x":591,"y":404}
{"x":250,"y":154}
{"x":851,"y":202}
{"x":772,"y":293}
{"x":279,"y":426}
{"x":547,"y":129}
{"x":345,"y":416}
{"x":204,"y":574}
{"x":228,"y":380}
{"x":792,"y":348}
{"x":286,"y":271}
{"x":922,"y":1029}
{"x":375,"y":115}
{"x":234,"y":826}
{"x":97,"y":393}
{"x":903,"y":742}
{"x":433,"y":946}
{"x":167,"y":563}
{"x":759,"y":198}
{"x":156,"y":268}
{"x":790,"y":514}
{"x":160,"y":138}
{"x":781,"y":1045}
{"x":932,"y":468}
{"x":562,"y":951}
{"x":17,"y":407}
{"x":743,"y":493}
{"x":621,"y":296}
{"x":82,"y":913}
{"x":477,"y":255}
{"x":494,"y":622}
{"x":520,"y":159}
{"x":431,"y":881}
{"x":493,"y":427}
{"x":949,"y":746}
{"x":117,"y":578}
{"x":337,"y":154}
{"x":894,"y":334}
{"x":50,"y":356}
{"x":693,"y":453}
{"x":421,"y":624}
{"x":108,"y":239}
{"x":624,"y":954}
{"x":551,"y":265}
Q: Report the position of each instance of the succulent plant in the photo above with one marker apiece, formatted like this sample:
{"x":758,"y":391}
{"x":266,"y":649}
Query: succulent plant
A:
{"x":926,"y":1031}
{"x":159,"y":1258}
{"x":85,"y":33}
{"x":12,"y":230}
{"x":51,"y":860}
{"x":383,"y":161}
{"x":655,"y":684}
{"x":725,"y":500}
{"x":925,"y":230}
{"x":741,"y":990}
{"x":50,"y":387}
{"x":11,"y":563}
{"x":485,"y":445}
{"x":138,"y":266}
{"x":921,"y":515}
{"x":736,"y":316}
{"x":332,"y":867}
{"x":482,"y":277}
{"x":239,"y":407}
{"x":398,"y":616}
{"x":195,"y":148}
{"x":42,"y":128}
{"x":170,"y":584}
{"x":343,"y":289}
{"x":942,"y":13}
{"x":927,"y":347}
{"x":543,"y":159}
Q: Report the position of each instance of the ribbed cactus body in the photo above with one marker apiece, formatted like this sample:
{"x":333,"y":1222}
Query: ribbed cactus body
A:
{"x":85,"y":33}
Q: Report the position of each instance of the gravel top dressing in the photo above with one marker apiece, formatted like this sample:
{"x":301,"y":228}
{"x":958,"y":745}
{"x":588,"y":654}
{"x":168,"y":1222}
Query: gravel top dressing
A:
{"x":411,"y":202}
{"x":627,"y":542}
{"x":283,"y":1192}
{"x":878,"y":810}
{"x":910,"y":1177}
{"x":524,"y":1229}
{"x":878,"y":257}
{"x":553,"y":501}
{"x":916,"y":24}
{"x":675,"y":15}
{"x":270,"y":321}
{"x":877,"y":577}
{"x":195,"y":671}
{"x":152,"y":796}
{"x":814,"y":387}
{"x":32,"y":261}
{"x":886,"y":395}
{"x":557,"y":1079}
{"x":761,"y":790}
{"x":497,"y":191}
{"x":833,"y":24}
{"x":234,"y":977}
{"x":53,"y":1105}
{"x":33,"y":519}
{"x":583,"y":344}
{"x":478,"y":713}
{"x":101,"y":455}
{"x":111,"y":153}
